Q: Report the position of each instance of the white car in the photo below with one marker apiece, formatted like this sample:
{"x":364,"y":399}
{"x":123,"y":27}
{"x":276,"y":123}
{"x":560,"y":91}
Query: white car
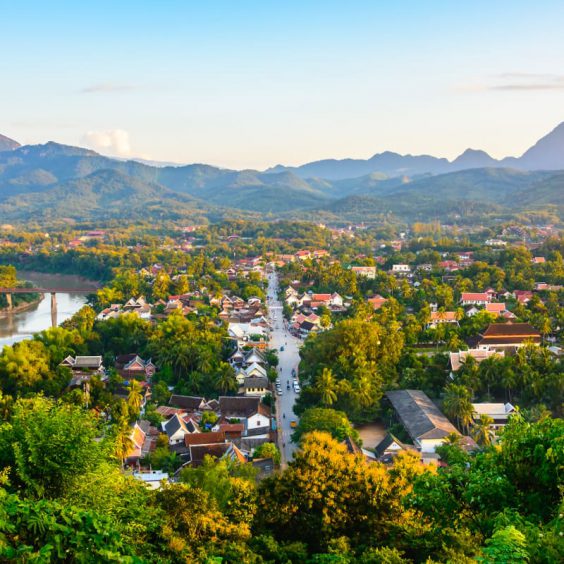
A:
{"x":278,"y":391}
{"x":296,"y":388}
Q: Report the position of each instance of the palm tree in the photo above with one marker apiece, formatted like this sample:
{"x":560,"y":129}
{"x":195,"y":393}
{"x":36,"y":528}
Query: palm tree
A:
{"x":457,"y":405}
{"x":123,"y":441}
{"x":135,"y":397}
{"x":182,"y":359}
{"x":482,"y":431}
{"x":205,"y":360}
{"x":325,"y":386}
{"x":225,"y":379}
{"x":362,"y":391}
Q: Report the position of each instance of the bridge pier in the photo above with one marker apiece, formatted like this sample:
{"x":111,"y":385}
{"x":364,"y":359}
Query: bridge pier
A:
{"x":9,"y":300}
{"x":53,"y":309}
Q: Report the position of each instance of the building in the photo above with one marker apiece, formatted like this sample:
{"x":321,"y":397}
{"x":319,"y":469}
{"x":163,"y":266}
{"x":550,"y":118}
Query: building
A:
{"x":365,"y":271}
{"x":377,"y":302}
{"x":507,"y":336}
{"x":499,"y":412}
{"x":421,"y":418}
{"x":401,"y":269}
{"x":457,"y":359}
{"x":438,"y":317}
{"x":475,"y":298}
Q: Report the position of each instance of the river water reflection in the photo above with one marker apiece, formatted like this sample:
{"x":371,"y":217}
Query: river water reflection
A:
{"x":22,"y":325}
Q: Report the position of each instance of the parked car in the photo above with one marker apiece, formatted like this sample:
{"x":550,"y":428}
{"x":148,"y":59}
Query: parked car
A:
{"x":293,"y":424}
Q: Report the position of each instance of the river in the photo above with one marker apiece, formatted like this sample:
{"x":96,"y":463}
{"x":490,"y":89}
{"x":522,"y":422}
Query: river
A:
{"x":21,"y":325}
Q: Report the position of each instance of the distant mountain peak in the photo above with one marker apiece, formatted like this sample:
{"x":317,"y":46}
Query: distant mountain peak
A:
{"x":547,"y":153}
{"x":7,"y":144}
{"x":473,"y":158}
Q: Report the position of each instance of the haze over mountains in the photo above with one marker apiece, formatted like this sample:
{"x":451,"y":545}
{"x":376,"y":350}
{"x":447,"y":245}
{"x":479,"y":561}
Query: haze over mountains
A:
{"x":546,"y":154}
{"x":58,"y":181}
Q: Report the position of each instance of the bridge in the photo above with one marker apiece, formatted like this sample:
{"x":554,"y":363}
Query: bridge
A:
{"x":52,"y":291}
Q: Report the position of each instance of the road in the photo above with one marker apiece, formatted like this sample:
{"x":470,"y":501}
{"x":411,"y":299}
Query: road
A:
{"x":289,"y":359}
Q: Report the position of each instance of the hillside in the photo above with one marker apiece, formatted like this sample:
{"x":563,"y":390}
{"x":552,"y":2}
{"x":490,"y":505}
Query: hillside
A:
{"x":7,"y":144}
{"x":54,"y":180}
{"x":103,"y":194}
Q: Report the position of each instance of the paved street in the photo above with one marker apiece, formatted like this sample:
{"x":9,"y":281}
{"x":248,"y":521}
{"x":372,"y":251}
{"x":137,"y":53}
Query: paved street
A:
{"x":289,"y":359}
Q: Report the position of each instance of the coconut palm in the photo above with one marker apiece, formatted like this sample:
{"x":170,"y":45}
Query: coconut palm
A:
{"x":482,"y":431}
{"x":362,"y":390}
{"x":123,"y":442}
{"x":225,"y":378}
{"x":325,"y":386}
{"x":134,"y":397}
{"x":458,"y":406}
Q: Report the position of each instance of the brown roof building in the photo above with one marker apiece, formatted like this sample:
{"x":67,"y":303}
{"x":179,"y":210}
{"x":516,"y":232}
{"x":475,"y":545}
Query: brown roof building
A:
{"x":502,"y":336}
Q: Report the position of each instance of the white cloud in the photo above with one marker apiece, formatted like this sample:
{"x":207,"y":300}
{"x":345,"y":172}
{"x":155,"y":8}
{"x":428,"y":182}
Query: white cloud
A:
{"x":114,"y":142}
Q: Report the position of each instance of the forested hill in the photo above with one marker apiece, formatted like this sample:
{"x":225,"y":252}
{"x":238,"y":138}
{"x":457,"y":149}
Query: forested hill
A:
{"x":55,"y":181}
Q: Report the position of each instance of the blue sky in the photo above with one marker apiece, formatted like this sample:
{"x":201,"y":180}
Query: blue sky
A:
{"x":252,"y":84}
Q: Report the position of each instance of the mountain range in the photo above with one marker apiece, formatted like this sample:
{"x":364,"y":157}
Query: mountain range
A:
{"x":546,"y":154}
{"x":54,"y":181}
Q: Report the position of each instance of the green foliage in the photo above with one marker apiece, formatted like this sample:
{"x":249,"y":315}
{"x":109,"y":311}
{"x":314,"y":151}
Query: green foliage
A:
{"x":48,"y":445}
{"x":268,"y":450}
{"x":330,"y":421}
{"x":350,"y":365}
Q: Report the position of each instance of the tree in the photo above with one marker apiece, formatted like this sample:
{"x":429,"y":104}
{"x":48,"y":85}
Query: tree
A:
{"x":336,"y":423}
{"x":458,"y":406}
{"x":134,"y":398}
{"x":48,"y":445}
{"x":267,"y":450}
{"x":326,"y":387}
{"x":327,"y":493}
{"x":506,"y":546}
{"x":123,"y":442}
{"x":482,"y":430}
{"x":24,"y":367}
{"x":225,"y":379}
{"x":60,"y":343}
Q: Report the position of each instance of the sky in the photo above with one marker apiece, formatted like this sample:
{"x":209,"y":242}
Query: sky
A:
{"x":252,"y":84}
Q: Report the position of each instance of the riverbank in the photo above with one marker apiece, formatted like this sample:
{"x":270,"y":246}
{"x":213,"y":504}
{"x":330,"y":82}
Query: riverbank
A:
{"x":6,"y":312}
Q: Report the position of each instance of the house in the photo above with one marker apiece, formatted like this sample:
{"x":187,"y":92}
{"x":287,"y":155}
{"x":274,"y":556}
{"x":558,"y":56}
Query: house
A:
{"x":218,"y":450}
{"x":134,"y":452}
{"x":523,"y":296}
{"x":389,"y":447}
{"x":457,"y":359}
{"x":256,"y":386}
{"x":365,"y":271}
{"x":421,"y":418}
{"x":401,"y":269}
{"x":176,"y":429}
{"x":303,"y":255}
{"x":187,"y":403}
{"x":539,"y":260}
{"x":132,"y":365}
{"x":209,"y":438}
{"x":83,"y":368}
{"x":255,"y":370}
{"x":247,"y":410}
{"x":507,"y":336}
{"x":377,"y":302}
{"x":152,"y":479}
{"x":438,"y":317}
{"x":471,"y":311}
{"x":499,"y":412}
{"x":474,"y":298}
{"x":495,"y":308}
{"x":83,"y":363}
